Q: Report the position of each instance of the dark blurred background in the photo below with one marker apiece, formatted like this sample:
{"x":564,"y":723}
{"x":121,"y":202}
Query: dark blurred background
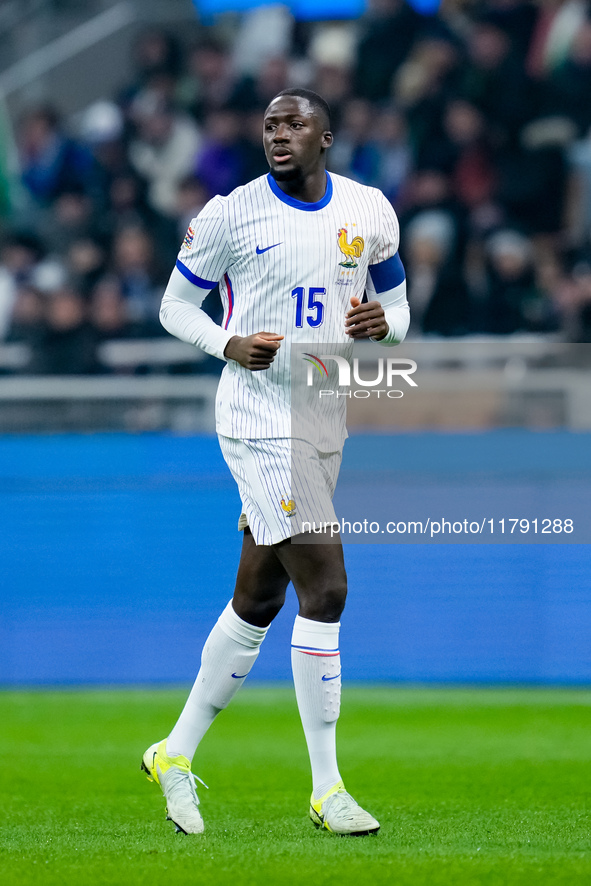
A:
{"x":121,"y":120}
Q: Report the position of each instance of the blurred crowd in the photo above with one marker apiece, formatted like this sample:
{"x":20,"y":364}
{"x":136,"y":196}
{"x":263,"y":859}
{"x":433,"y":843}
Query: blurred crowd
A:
{"x":475,"y":123}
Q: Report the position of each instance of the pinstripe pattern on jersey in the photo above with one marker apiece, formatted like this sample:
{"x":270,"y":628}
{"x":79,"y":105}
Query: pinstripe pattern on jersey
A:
{"x":259,"y":297}
{"x":268,"y":470}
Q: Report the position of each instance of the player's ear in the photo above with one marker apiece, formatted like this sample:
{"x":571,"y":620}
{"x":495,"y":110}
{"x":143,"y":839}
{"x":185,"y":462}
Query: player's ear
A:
{"x":327,"y":139}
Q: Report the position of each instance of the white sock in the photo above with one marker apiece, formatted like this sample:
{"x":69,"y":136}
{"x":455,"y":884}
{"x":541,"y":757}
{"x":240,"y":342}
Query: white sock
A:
{"x":316,"y":665}
{"x":228,"y":655}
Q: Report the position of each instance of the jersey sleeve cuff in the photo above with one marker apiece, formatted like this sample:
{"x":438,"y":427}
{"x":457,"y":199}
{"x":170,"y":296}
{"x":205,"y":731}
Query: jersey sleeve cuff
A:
{"x":219,"y":341}
{"x":194,"y":278}
{"x":398,"y":320}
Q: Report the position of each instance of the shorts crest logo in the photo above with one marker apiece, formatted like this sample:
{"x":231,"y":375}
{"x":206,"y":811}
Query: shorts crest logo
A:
{"x":188,"y":241}
{"x":289,"y":507}
{"x":351,"y":250}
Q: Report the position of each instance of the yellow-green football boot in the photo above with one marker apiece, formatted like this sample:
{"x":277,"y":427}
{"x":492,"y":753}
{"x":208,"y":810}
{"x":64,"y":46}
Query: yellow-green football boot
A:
{"x":339,"y":813}
{"x":174,"y":776}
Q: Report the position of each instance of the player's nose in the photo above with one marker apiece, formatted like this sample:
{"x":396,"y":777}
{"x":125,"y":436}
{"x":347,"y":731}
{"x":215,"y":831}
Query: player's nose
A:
{"x":281,"y":133}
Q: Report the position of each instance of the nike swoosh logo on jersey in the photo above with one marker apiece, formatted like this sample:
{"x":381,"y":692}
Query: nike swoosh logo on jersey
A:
{"x":239,"y":676}
{"x":267,"y":248}
{"x":326,"y":678}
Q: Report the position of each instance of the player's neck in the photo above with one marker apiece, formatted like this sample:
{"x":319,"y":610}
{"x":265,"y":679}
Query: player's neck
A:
{"x":308,"y":189}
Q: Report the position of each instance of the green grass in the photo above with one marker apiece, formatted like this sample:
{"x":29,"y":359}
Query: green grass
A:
{"x":472,"y":786}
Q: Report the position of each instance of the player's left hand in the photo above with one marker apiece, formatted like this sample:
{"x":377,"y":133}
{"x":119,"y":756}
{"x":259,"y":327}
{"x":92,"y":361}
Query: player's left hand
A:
{"x":365,"y":320}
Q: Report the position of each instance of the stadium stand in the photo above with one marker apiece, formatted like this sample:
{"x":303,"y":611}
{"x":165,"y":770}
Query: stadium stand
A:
{"x":474,"y":121}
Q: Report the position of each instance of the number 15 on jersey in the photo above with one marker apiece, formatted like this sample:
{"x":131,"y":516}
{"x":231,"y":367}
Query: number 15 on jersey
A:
{"x":313,"y":306}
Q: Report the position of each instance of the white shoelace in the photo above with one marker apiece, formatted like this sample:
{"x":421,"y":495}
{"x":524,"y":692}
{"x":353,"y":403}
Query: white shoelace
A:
{"x":177,"y":780}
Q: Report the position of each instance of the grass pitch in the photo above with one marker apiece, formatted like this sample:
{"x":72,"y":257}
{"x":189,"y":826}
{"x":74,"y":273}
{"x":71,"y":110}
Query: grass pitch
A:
{"x":472,"y":786}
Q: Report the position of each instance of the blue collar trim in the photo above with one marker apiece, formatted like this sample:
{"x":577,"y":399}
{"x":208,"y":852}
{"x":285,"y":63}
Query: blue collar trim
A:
{"x":300,"y":204}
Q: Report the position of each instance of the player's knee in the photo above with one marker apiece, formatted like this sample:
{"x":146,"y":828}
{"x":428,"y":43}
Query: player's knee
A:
{"x":325,"y":603}
{"x":259,"y":612}
{"x":272,"y":607}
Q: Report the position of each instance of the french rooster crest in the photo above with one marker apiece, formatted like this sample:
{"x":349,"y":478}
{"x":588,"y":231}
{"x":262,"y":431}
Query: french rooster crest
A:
{"x":288,"y":506}
{"x":351,"y":250}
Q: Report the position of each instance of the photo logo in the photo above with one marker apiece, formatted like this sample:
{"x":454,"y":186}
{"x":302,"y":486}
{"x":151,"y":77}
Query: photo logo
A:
{"x":389,"y":370}
{"x":317,"y":362}
{"x":351,"y":250}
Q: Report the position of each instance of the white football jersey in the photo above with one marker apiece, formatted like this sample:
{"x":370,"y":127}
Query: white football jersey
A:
{"x":290,"y":268}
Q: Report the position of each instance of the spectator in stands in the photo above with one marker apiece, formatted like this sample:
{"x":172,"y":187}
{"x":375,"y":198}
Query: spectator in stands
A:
{"x":127,"y":206}
{"x":86,"y":260}
{"x":256,"y":92}
{"x":387,"y":36}
{"x":209,"y":83}
{"x":569,"y":88}
{"x":20,"y":254}
{"x":254,"y":163}
{"x":67,"y":347}
{"x":333,"y":82}
{"x":394,"y":154}
{"x":572,"y":300}
{"x":514,"y":303}
{"x":155,"y":53}
{"x":71,"y":217}
{"x":164,"y":149}
{"x":28,"y":327}
{"x":8,"y":297}
{"x":438,"y":295}
{"x":421,"y":88}
{"x":466,"y":154}
{"x":472,"y":120}
{"x":354,"y":153}
{"x":109,"y":315}
{"x":220,"y":159}
{"x":578,"y":199}
{"x":532,"y":177}
{"x":142,"y":283}
{"x":101,"y":128}
{"x":495,"y":79}
{"x":51,"y":163}
{"x":517,"y":18}
{"x":431,"y":189}
{"x":192,"y":195}
{"x":556,"y":26}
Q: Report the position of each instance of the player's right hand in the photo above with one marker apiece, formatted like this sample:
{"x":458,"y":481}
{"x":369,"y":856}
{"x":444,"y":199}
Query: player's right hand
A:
{"x":254,"y":352}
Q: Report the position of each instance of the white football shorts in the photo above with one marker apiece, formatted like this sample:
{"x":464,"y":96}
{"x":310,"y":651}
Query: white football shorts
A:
{"x":283,"y":483}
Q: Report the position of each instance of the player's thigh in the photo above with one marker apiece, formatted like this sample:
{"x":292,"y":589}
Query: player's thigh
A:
{"x":261,"y":575}
{"x":316,"y":569}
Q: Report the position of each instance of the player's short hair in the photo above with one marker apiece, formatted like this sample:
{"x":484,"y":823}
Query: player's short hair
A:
{"x":321,"y":106}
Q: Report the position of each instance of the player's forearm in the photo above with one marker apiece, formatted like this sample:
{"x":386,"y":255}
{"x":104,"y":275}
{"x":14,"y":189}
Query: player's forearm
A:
{"x":396,"y":314}
{"x":388,"y":281}
{"x":182,"y":316}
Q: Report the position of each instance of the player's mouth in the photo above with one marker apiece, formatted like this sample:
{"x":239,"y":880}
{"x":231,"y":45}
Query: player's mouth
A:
{"x":282,"y":157}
